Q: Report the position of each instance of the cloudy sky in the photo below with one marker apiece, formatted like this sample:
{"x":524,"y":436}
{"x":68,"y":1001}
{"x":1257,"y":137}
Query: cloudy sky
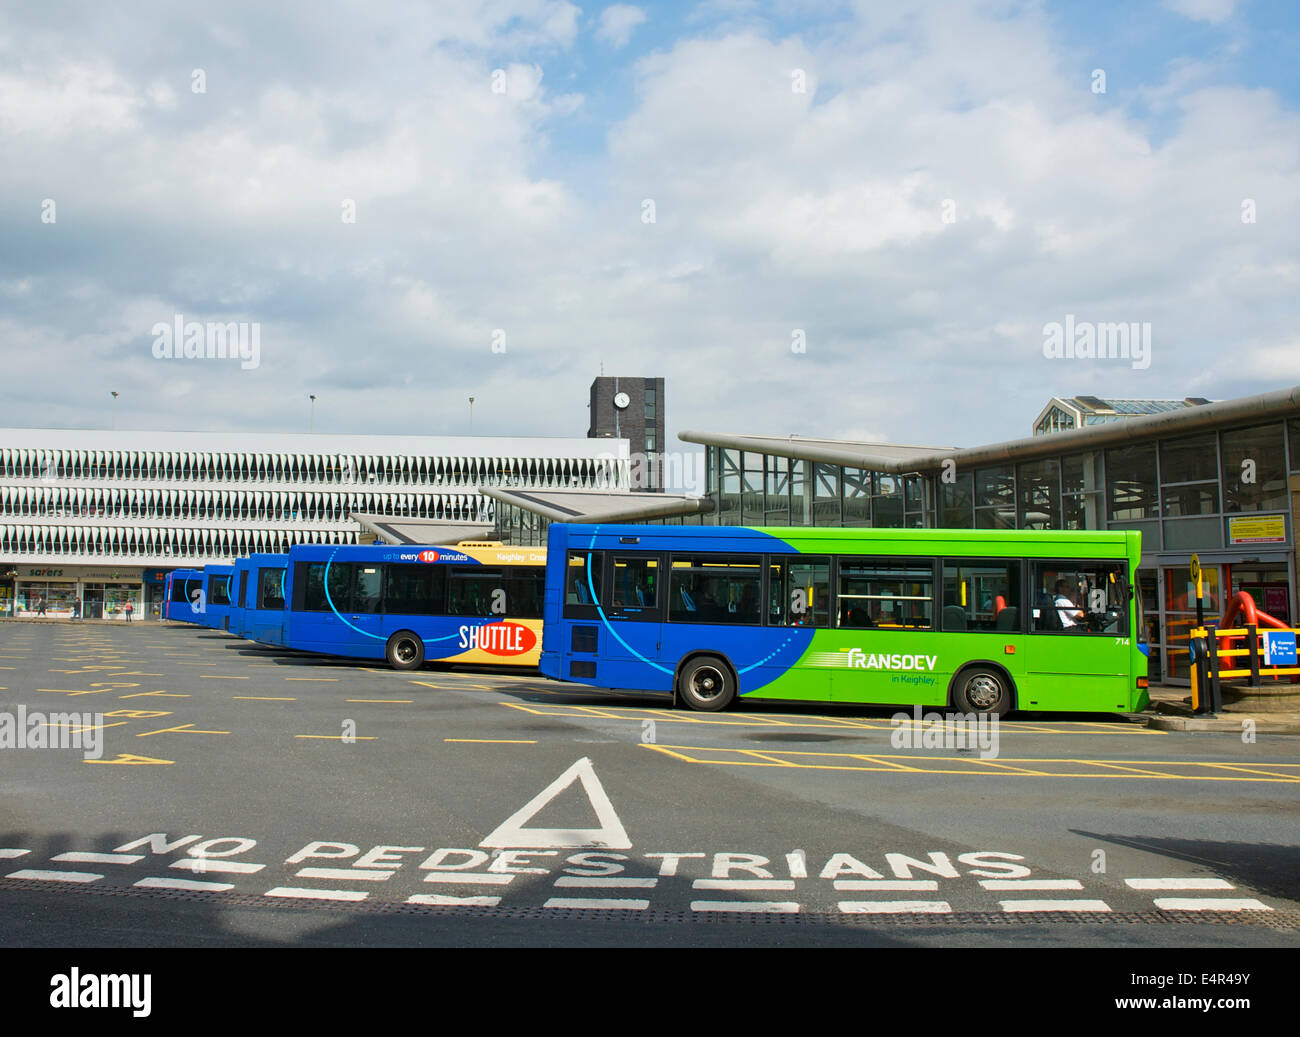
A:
{"x":850,"y":220}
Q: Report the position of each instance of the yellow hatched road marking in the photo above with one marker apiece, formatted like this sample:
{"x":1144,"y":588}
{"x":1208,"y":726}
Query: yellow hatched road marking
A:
{"x":184,"y":729}
{"x":405,"y":702}
{"x":1053,"y":767}
{"x":152,"y":694}
{"x":348,"y":738}
{"x":1248,"y":770}
{"x":262,"y":698}
{"x":308,"y":678}
{"x":807,"y":722}
{"x":128,"y":758}
{"x":771,"y":759}
{"x":221,"y":677}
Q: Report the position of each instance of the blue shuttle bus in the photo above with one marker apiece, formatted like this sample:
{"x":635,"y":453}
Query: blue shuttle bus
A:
{"x":264,"y":595}
{"x":238,"y":592}
{"x":473,"y":603}
{"x":217,"y":581}
{"x":183,"y":595}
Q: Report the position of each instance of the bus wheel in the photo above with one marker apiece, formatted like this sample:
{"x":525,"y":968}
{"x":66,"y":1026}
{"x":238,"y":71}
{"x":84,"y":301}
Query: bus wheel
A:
{"x":706,"y":684}
{"x":405,"y":651}
{"x":982,"y":689}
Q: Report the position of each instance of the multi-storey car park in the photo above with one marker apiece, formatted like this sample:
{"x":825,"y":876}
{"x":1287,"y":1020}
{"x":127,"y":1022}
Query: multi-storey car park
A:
{"x":91,"y":520}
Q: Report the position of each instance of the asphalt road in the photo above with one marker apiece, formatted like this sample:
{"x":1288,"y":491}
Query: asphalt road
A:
{"x":247,"y":797}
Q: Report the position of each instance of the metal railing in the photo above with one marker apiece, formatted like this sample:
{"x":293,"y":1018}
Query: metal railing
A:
{"x":1216,"y":659}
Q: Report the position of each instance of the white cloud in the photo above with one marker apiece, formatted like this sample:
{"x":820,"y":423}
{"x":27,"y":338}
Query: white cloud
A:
{"x":1213,"y":11}
{"x":617,"y":23}
{"x":775,"y":210}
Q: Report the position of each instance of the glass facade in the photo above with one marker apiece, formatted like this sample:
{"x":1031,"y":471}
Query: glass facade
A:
{"x":1181,"y":492}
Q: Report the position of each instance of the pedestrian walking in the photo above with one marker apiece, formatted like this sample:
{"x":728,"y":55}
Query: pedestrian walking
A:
{"x":129,"y":609}
{"x":76,"y":608}
{"x":40,"y":607}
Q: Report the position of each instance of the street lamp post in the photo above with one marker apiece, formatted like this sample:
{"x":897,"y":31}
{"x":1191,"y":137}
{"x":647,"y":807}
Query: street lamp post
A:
{"x":471,"y":415}
{"x":311,"y":425}
{"x":114,"y":408}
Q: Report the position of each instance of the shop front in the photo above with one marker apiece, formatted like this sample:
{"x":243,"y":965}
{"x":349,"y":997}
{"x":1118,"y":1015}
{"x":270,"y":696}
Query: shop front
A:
{"x":45,"y":592}
{"x":87,"y":592}
{"x":1266,"y":576}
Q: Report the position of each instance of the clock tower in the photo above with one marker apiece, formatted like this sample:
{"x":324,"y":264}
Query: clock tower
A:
{"x":632,"y":409}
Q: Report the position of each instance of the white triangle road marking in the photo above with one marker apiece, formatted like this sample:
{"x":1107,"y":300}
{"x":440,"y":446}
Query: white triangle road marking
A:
{"x":511,"y":833}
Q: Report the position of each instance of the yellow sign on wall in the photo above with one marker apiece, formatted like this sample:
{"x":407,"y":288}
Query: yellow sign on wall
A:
{"x":1257,"y":529}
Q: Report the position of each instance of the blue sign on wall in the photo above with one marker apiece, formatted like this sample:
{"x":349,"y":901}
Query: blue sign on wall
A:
{"x":1279,"y":648}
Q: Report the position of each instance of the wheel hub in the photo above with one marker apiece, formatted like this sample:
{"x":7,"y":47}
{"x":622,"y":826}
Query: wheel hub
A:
{"x":984,"y":692}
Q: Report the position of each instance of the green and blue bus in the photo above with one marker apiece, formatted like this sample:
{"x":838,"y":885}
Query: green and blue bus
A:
{"x":981,"y":621}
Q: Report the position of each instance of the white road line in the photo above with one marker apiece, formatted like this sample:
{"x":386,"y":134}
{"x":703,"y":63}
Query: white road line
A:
{"x":599,"y":903}
{"x":1053,"y":905}
{"x":590,"y":882}
{"x":775,"y":907}
{"x":887,"y":885}
{"x":169,"y":883}
{"x":317,"y":894}
{"x":781,"y":884}
{"x":1014,"y":884}
{"x":1210,"y":904}
{"x":1178,"y":884}
{"x":458,"y":878}
{"x":367,"y":875}
{"x":438,"y":900}
{"x":55,"y":876}
{"x":9,"y":854}
{"x":203,"y":866}
{"x":86,"y":857}
{"x":895,"y":907}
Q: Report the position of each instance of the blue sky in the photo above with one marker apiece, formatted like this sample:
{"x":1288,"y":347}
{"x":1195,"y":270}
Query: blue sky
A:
{"x":947,"y":185}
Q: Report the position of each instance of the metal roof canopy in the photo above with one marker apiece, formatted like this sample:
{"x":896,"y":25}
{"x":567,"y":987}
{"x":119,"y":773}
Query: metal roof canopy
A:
{"x":422,"y":531}
{"x":593,"y":506}
{"x":878,"y":457}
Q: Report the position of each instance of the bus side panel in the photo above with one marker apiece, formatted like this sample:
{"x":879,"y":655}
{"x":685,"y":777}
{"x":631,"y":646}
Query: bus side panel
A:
{"x":1077,"y":672}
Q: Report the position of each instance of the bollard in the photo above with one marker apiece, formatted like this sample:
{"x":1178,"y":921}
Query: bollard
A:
{"x":1202,"y":697}
{"x":1252,"y":639}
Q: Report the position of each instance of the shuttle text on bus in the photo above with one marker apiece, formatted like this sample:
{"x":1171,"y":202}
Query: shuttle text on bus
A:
{"x":498,"y":638}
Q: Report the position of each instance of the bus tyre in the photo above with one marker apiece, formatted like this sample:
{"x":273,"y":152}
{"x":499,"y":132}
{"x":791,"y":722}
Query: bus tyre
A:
{"x":706,"y":684}
{"x":982,"y":689}
{"x":405,"y":651}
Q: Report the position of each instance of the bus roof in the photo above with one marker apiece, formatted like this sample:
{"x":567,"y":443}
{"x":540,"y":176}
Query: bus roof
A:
{"x":417,"y":553}
{"x":1001,"y":542}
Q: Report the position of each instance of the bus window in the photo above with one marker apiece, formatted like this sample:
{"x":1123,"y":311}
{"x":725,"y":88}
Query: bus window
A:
{"x":314,"y":598}
{"x":270,"y":590}
{"x":707,"y":589}
{"x":636,"y":583}
{"x":477,"y":591}
{"x":981,"y":596}
{"x":894,"y":594}
{"x":799,"y":592}
{"x":578,"y":582}
{"x":367,"y":590}
{"x":1081,"y":597}
{"x":415,"y":590}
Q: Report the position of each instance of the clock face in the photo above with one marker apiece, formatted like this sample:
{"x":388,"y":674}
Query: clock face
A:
{"x":621,"y":400}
